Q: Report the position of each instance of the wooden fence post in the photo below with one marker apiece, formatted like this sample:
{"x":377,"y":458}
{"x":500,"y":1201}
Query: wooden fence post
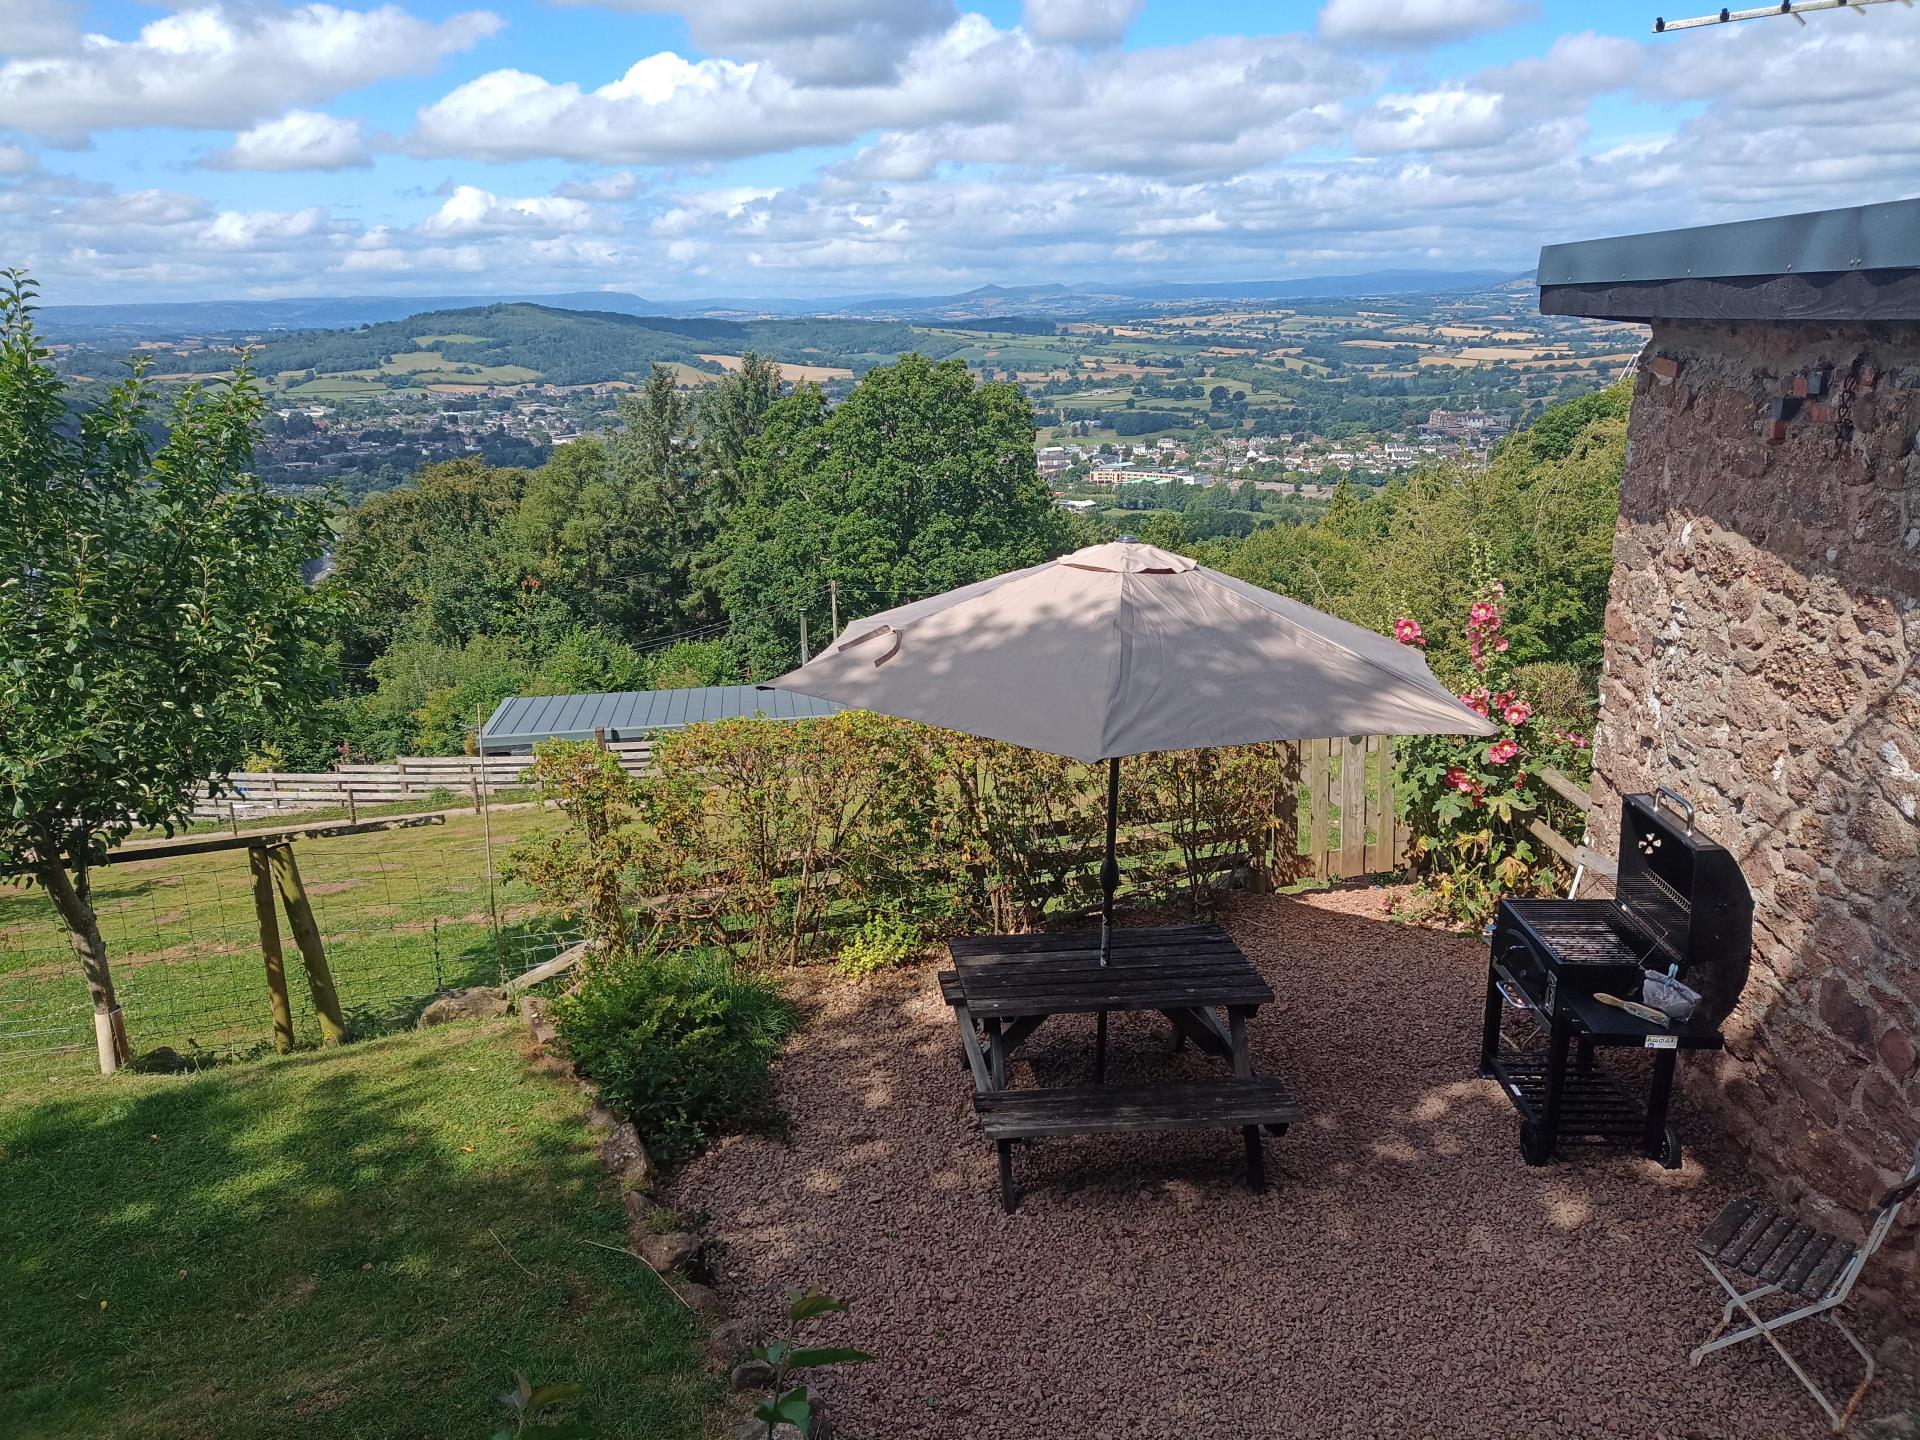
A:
{"x":1318,"y":771}
{"x":270,"y":948}
{"x":306,"y":935}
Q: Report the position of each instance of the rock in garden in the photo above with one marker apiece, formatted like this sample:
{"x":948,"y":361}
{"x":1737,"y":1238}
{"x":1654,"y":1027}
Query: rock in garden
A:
{"x":700,"y":1298}
{"x":752,"y":1375}
{"x":478,"y":1002}
{"x":668,"y":1252}
{"x":623,"y":1154}
{"x":731,"y":1339}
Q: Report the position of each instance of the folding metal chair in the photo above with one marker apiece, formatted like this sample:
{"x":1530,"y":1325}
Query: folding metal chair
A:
{"x":1751,"y":1240}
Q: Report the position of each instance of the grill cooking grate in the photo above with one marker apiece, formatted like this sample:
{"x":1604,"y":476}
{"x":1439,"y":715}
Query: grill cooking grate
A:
{"x":1584,"y":940}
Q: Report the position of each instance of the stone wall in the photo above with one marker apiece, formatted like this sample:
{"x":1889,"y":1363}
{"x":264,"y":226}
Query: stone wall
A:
{"x":1763,"y":658}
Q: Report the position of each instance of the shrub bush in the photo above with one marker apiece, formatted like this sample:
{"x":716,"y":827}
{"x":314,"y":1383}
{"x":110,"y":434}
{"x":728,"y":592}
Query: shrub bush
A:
{"x":882,"y":941}
{"x":680,"y":1044}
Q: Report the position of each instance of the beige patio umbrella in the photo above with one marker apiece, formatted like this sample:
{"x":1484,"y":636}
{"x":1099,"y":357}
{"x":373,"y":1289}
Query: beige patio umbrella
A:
{"x":1122,"y":649}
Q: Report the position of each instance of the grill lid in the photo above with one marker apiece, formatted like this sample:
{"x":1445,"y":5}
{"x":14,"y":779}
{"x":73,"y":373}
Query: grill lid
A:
{"x":1685,"y":898}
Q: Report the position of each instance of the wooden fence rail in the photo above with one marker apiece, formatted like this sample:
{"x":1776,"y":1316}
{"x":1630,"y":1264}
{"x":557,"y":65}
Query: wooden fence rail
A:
{"x":411,"y":777}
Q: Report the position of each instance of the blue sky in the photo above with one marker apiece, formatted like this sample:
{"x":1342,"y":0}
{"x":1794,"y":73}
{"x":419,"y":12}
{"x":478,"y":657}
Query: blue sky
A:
{"x":180,"y":149}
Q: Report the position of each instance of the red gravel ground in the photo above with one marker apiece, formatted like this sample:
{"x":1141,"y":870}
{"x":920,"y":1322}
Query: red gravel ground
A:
{"x":1405,"y":1275}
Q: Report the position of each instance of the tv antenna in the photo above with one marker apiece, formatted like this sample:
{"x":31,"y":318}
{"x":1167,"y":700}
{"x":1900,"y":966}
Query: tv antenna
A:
{"x":1796,"y":8}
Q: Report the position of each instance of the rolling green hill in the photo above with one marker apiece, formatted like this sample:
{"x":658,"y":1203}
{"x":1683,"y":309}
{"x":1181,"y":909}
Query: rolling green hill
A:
{"x":512,"y":343}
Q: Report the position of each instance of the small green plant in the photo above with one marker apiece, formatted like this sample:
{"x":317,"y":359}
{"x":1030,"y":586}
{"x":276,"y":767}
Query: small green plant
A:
{"x":882,"y":941}
{"x":793,"y":1404}
{"x":526,"y":1401}
{"x":680,"y":1044}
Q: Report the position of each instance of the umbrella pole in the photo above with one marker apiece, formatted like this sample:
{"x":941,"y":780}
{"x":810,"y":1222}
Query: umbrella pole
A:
{"x":1110,"y":867}
{"x":1109,"y":882}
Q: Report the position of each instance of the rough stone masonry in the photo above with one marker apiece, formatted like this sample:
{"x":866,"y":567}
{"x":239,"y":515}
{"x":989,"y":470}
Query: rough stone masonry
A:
{"x":1763,"y":658}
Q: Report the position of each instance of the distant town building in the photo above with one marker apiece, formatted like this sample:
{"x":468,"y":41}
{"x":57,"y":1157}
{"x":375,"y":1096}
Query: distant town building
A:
{"x":1128,"y":475}
{"x":1467,"y":424}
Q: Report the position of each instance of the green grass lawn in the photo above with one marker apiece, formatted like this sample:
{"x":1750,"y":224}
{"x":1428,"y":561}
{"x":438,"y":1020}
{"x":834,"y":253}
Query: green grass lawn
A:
{"x":319,"y":1246}
{"x":402,"y":912}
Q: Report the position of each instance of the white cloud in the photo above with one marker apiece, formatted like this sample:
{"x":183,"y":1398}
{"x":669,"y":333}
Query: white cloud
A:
{"x":40,"y":27}
{"x":297,"y":140}
{"x":811,"y":42}
{"x":1080,"y":22}
{"x":667,"y":108}
{"x":471,"y":211}
{"x":972,"y":95}
{"x":621,"y":185}
{"x":15,"y":160}
{"x":225,"y":65}
{"x":255,"y":229}
{"x":1413,"y":23}
{"x":991,"y":154}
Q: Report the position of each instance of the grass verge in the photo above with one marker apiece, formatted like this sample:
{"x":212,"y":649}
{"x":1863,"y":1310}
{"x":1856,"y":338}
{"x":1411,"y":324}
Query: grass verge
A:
{"x":357,"y":1242}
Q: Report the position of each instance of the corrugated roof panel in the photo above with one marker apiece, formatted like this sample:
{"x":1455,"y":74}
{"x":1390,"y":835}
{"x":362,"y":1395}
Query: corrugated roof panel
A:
{"x":523,"y":720}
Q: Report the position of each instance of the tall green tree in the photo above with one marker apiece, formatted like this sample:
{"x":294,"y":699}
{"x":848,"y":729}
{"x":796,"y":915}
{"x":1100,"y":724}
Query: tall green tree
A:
{"x":655,"y":472}
{"x":919,"y":481}
{"x":153,"y":619}
{"x":731,"y":414}
{"x":435,"y":558}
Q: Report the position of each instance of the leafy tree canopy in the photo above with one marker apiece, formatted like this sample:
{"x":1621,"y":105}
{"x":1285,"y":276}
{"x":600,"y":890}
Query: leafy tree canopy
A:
{"x":921,"y":480}
{"x":154,"y":616}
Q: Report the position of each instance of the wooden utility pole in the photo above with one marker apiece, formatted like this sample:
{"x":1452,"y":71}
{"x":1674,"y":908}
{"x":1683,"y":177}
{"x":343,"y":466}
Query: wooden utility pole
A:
{"x":805,"y":654}
{"x":263,"y":911}
{"x":833,"y":608}
{"x":306,"y":935}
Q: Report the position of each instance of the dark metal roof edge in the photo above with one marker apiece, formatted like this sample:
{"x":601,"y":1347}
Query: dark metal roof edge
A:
{"x":1885,"y":236}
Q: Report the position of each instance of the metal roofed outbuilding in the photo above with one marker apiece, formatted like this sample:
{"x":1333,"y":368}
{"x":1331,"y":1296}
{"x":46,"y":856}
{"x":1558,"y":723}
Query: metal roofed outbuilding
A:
{"x":1860,"y":263}
{"x":521,"y":721}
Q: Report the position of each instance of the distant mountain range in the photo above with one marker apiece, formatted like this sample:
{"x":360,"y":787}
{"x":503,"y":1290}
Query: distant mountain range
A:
{"x":166,"y":321}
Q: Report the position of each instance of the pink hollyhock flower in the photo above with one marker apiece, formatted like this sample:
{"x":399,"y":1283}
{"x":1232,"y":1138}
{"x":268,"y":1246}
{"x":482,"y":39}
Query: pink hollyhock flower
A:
{"x":1501,"y":644}
{"x":1407,"y":632}
{"x":1497,"y":588}
{"x":1481,"y":613}
{"x":1456,"y":779}
{"x":1501,"y":751}
{"x":1476,"y":704}
{"x":1518,"y":712}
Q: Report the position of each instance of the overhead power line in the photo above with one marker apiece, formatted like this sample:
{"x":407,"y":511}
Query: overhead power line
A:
{"x":1796,"y":8}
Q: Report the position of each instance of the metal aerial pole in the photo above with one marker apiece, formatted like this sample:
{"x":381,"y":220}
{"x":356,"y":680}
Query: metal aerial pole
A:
{"x":1796,"y":8}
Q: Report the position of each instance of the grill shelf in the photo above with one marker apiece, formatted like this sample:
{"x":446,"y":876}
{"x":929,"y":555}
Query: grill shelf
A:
{"x":1593,"y":1107}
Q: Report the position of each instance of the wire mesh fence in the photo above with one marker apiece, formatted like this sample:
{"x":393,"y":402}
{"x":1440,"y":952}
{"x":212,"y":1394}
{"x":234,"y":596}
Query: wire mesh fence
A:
{"x":402,"y":913}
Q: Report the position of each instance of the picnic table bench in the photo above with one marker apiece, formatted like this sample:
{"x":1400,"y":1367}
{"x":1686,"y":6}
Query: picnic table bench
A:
{"x":1005,"y":987}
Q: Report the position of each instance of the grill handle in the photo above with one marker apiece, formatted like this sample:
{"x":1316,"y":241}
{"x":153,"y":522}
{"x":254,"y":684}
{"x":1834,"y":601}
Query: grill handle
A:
{"x":1680,"y":803}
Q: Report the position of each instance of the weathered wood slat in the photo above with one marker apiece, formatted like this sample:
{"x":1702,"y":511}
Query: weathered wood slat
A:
{"x":1786,"y":1253}
{"x":1379,"y":818}
{"x":1100,"y":1109}
{"x":1839,"y":1255}
{"x":1353,"y":807}
{"x":1314,"y":764}
{"x":1806,"y":1262}
{"x":1565,"y":788}
{"x":1761,"y":1251}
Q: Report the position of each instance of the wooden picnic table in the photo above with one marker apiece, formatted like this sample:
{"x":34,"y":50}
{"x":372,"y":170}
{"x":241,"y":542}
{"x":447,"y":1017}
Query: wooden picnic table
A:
{"x":1005,"y":987}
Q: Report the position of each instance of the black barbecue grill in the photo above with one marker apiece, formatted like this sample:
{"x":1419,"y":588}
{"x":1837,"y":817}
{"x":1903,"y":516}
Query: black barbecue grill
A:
{"x":1681,"y":906}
